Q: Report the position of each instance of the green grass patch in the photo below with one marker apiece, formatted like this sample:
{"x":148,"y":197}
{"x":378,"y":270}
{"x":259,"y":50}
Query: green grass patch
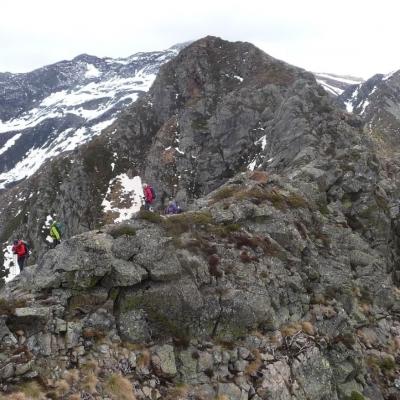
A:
{"x":355,"y":396}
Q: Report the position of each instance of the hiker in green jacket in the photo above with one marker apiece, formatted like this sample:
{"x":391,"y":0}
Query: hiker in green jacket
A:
{"x":55,"y":233}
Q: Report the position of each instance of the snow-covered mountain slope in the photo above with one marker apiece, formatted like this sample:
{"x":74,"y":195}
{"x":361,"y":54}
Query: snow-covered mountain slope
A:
{"x":336,"y":84}
{"x":58,"y":107}
{"x":377,"y":101}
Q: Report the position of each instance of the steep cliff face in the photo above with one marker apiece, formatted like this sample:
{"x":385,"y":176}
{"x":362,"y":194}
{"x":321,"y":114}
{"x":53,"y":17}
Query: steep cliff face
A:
{"x":279,"y":281}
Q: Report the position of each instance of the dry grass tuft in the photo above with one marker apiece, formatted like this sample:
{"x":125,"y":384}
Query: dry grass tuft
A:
{"x":308,"y":328}
{"x":178,"y":392}
{"x":15,"y":396}
{"x":91,"y":366}
{"x":33,"y":390}
{"x":259,"y":176}
{"x":290,"y":330}
{"x":75,"y":396}
{"x":143,"y":360}
{"x":255,"y":365}
{"x":7,"y":307}
{"x":71,"y":376}
{"x":89,"y":383}
{"x":62,"y":388}
{"x":119,"y":388}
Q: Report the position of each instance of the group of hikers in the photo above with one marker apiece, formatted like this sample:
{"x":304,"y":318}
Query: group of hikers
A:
{"x":22,"y":249}
{"x":149,"y":196}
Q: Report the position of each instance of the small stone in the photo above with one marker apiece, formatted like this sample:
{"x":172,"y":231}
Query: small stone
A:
{"x":230,"y":390}
{"x":132,"y":359}
{"x":243,"y":353}
{"x":239,"y":365}
{"x":80,"y":350}
{"x":21,"y":369}
{"x":205,"y":362}
{"x":164,"y":360}
{"x":61,"y":325}
{"x":7,"y":371}
{"x":147,"y":391}
{"x":104,"y":348}
{"x":267,"y":357}
{"x":34,"y":312}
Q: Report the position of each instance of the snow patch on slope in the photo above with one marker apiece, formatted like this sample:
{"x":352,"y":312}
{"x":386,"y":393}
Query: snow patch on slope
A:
{"x":10,"y":264}
{"x":329,"y":88}
{"x":10,"y":142}
{"x":92,"y":71}
{"x":123,"y":198}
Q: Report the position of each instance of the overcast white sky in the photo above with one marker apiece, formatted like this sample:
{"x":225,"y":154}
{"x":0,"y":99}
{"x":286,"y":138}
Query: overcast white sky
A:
{"x":347,"y":37}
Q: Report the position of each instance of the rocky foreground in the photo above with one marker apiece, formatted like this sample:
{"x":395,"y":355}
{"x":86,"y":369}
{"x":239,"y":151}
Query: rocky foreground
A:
{"x":262,"y":291}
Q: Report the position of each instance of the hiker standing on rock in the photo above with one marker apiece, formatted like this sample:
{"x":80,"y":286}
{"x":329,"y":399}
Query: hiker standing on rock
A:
{"x":55,"y":232}
{"x":149,"y":196}
{"x":20,"y":248}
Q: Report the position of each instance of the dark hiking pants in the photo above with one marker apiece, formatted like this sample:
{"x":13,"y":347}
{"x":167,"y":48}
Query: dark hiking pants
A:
{"x":21,"y":262}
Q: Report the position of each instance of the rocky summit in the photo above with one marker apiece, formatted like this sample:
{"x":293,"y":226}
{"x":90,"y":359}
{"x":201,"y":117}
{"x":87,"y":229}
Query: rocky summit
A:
{"x":279,"y":280}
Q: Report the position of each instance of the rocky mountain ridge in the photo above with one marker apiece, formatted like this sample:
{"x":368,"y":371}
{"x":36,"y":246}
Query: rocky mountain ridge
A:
{"x":280,"y":281}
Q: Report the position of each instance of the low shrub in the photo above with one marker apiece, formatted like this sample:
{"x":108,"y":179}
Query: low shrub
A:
{"x":356,"y":396}
{"x":224,"y":193}
{"x":122,"y":230}
{"x":213,"y":260}
{"x":259,"y":176}
{"x":150,"y":216}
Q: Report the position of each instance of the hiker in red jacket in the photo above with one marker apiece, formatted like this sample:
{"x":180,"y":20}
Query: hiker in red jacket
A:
{"x":20,"y":249}
{"x":149,"y":196}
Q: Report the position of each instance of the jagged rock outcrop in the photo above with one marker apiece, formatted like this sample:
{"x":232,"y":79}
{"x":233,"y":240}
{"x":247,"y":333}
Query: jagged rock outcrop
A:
{"x":277,"y":283}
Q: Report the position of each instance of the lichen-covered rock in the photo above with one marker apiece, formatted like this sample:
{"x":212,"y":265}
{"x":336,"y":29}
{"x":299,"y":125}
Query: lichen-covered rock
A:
{"x":164,"y":361}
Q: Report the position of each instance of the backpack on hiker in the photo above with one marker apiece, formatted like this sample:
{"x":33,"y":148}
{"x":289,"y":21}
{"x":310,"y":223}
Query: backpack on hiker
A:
{"x":153,"y":192}
{"x":27,"y":248}
{"x":60,"y":227}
